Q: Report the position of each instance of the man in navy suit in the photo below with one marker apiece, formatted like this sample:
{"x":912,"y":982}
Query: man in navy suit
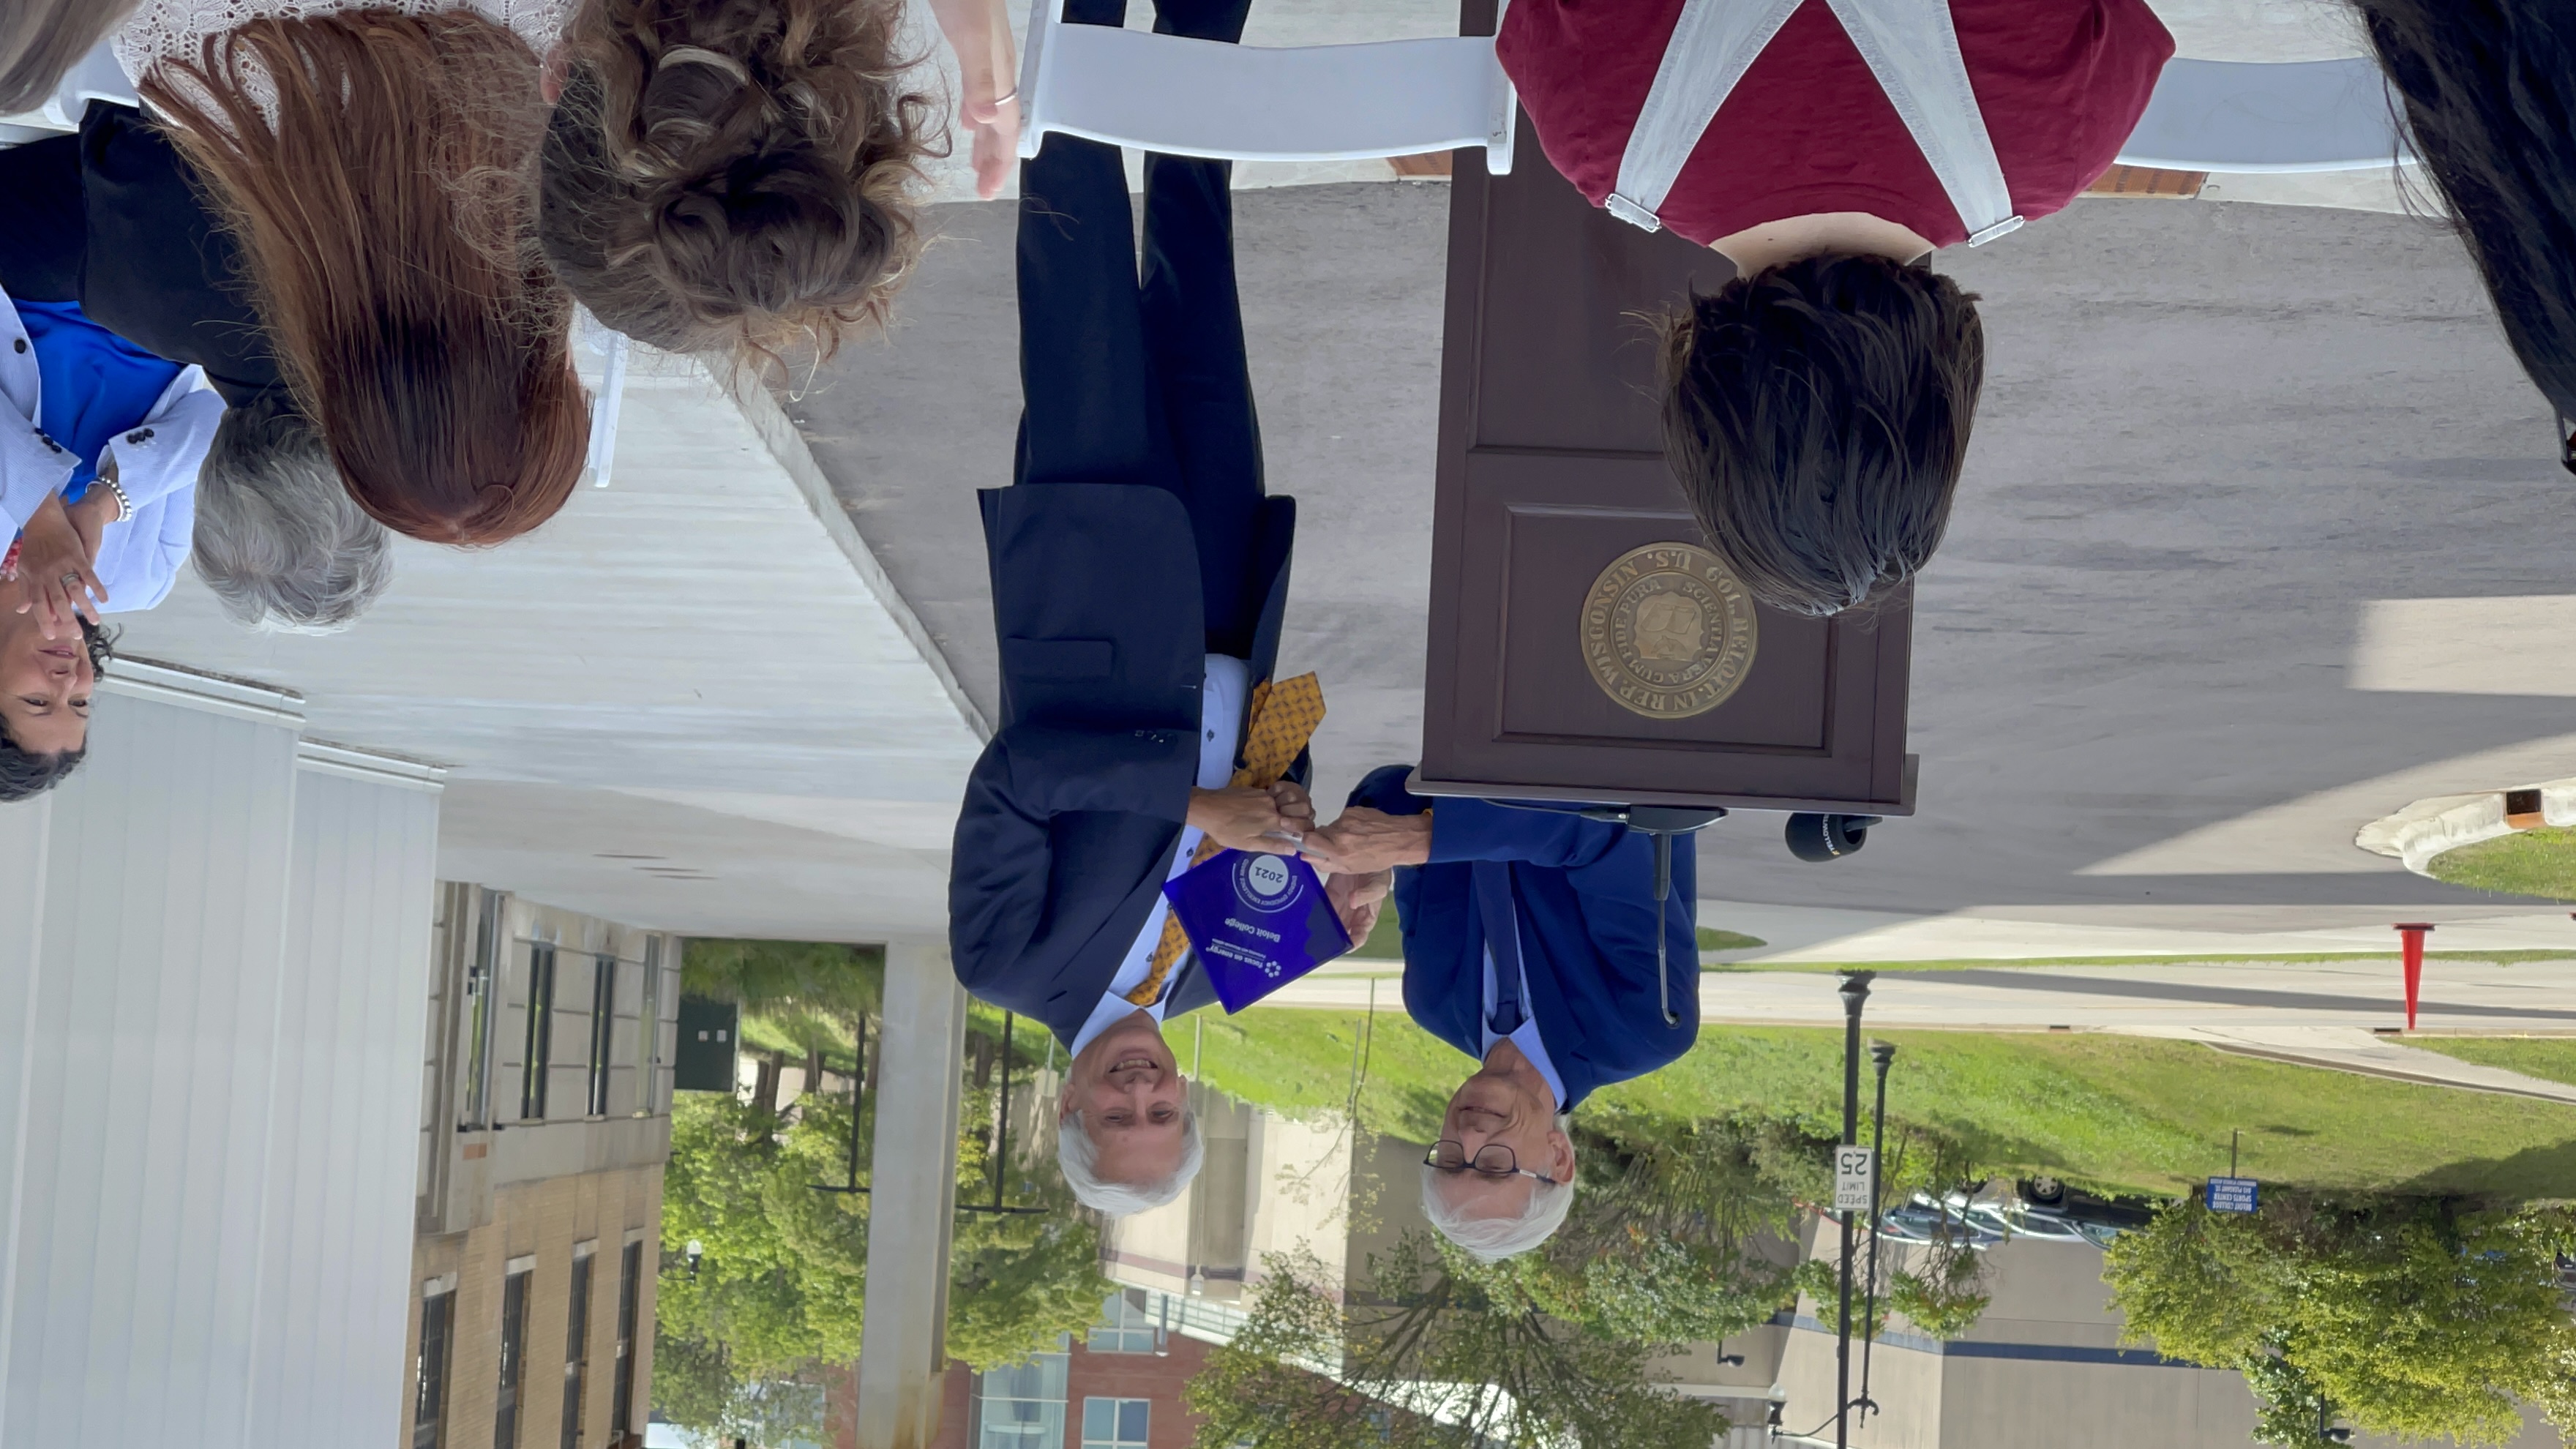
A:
{"x":1139,"y":579}
{"x":1529,"y":944}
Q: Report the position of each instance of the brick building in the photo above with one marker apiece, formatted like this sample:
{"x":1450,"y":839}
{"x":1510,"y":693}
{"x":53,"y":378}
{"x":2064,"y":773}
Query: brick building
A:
{"x":1117,"y":1387}
{"x":545,"y":1123}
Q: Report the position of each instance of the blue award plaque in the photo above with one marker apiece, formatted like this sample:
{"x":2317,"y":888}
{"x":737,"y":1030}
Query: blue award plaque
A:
{"x":1258,"y":921}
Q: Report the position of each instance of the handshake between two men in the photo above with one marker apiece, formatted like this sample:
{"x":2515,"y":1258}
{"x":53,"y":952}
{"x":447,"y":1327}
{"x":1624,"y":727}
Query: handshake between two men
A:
{"x":1356,"y":854}
{"x":1530,"y":945}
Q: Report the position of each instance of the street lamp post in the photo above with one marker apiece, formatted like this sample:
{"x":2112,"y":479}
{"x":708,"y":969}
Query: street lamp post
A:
{"x":1881,"y":1055}
{"x":1855,"y":994}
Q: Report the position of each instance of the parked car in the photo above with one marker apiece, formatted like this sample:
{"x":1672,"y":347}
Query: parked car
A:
{"x":2099,"y":1220}
{"x":2021,"y":1220}
{"x":1925,"y":1220}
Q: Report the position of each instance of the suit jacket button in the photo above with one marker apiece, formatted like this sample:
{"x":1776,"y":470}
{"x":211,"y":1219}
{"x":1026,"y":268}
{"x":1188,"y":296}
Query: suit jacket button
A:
{"x":134,"y":437}
{"x":19,"y":343}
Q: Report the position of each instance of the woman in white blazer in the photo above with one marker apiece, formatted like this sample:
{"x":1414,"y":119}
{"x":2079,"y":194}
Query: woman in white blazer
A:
{"x":92,"y":532}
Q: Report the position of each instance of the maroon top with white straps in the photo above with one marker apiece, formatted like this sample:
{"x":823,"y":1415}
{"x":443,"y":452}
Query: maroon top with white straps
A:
{"x":2061,"y":84}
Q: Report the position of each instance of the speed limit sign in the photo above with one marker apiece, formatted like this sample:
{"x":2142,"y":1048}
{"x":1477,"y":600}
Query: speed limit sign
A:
{"x":1855,"y":1174}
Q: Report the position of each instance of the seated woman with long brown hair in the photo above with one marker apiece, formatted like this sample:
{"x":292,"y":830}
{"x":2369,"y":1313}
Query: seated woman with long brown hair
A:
{"x":732,"y":176}
{"x":374,"y":166}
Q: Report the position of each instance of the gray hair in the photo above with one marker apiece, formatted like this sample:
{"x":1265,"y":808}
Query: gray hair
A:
{"x":1491,"y":1240}
{"x":1079,"y":1156}
{"x":278,"y":539}
{"x":41,"y":40}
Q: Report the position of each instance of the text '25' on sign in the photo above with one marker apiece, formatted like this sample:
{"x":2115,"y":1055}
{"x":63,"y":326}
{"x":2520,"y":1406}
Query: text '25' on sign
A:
{"x":1855,"y":1169}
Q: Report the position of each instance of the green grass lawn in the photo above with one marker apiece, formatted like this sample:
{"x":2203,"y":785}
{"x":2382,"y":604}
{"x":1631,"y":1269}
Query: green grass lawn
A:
{"x":2549,"y":1058}
{"x":2526,"y":863}
{"x":2118,"y":1113}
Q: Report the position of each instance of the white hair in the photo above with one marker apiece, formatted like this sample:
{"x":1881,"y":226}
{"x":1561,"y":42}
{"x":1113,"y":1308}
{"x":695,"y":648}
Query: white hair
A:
{"x":278,"y":539}
{"x":1079,"y":1156}
{"x":1491,"y":1240}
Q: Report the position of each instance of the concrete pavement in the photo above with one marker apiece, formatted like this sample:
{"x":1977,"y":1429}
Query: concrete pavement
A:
{"x":2214,"y":440}
{"x":690,"y":702}
{"x":2458,"y":996}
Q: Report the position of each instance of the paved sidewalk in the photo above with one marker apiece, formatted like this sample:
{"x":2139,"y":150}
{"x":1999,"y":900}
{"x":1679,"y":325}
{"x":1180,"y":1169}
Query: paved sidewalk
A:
{"x":2356,"y":996}
{"x":2349,"y":1049}
{"x":2208,"y":933}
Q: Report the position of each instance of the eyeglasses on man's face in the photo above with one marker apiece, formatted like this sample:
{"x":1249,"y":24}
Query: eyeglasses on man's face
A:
{"x":1494,"y":1159}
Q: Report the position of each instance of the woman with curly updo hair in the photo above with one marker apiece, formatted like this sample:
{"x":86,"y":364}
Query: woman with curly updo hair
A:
{"x":734,"y":176}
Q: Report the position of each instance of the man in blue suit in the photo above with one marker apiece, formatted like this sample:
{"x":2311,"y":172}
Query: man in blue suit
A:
{"x":1529,"y":944}
{"x":1139,"y":580}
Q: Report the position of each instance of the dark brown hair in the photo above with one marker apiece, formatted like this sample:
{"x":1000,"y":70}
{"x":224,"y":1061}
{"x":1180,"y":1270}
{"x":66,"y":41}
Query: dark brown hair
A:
{"x":41,"y":40}
{"x":1816,"y":414}
{"x":2487,"y":90}
{"x":381,"y":202}
{"x":730,"y":175}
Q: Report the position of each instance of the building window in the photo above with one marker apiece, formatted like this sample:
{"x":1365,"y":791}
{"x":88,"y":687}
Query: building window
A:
{"x":483,"y":997}
{"x":630,"y":1283}
{"x":429,"y":1397}
{"x":1022,"y":1407}
{"x":648,"y":1033}
{"x":514,"y":1361}
{"x":603,"y":1012}
{"x":1115,"y":1423}
{"x":541,"y":1030}
{"x":1124,"y":1327}
{"x":577,"y":1353}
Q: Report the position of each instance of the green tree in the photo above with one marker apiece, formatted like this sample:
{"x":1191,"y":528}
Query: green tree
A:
{"x":1681,"y":1233}
{"x":1437,"y":1352}
{"x":2411,"y":1317}
{"x":784,"y":1272}
{"x":1942,"y":1301}
{"x":782,"y":1284}
{"x":787,"y":976}
{"x":695,"y":1386}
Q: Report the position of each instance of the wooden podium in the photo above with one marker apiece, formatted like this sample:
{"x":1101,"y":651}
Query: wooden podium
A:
{"x":1581,"y":648}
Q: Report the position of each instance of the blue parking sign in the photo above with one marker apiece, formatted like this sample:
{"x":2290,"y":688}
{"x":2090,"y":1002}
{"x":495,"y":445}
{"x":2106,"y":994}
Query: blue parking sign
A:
{"x":2231,"y":1194}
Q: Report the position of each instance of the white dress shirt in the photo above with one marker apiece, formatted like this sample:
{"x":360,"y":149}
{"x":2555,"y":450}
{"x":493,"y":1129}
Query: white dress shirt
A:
{"x":1221,"y":700}
{"x":1526,"y":1037}
{"x":155,"y":461}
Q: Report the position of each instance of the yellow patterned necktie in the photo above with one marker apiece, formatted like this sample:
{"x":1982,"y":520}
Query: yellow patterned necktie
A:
{"x":1284,"y":717}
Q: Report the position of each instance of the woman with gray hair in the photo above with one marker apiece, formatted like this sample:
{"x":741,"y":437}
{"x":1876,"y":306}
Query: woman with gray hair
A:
{"x":114,"y":221}
{"x":41,"y":40}
{"x":279,"y":541}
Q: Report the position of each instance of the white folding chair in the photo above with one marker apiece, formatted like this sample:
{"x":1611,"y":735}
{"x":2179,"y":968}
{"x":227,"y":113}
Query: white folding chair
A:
{"x":1262,"y":103}
{"x":2308,"y":115}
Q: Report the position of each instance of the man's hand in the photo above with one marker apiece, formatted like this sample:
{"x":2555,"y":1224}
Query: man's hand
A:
{"x":52,"y":550}
{"x":1296,"y":807}
{"x":1246,"y":817}
{"x":1363,"y":841}
{"x":1357,"y":900}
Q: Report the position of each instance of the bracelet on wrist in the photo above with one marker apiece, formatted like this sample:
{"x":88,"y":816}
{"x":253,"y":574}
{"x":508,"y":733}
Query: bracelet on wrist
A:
{"x":124,"y":505}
